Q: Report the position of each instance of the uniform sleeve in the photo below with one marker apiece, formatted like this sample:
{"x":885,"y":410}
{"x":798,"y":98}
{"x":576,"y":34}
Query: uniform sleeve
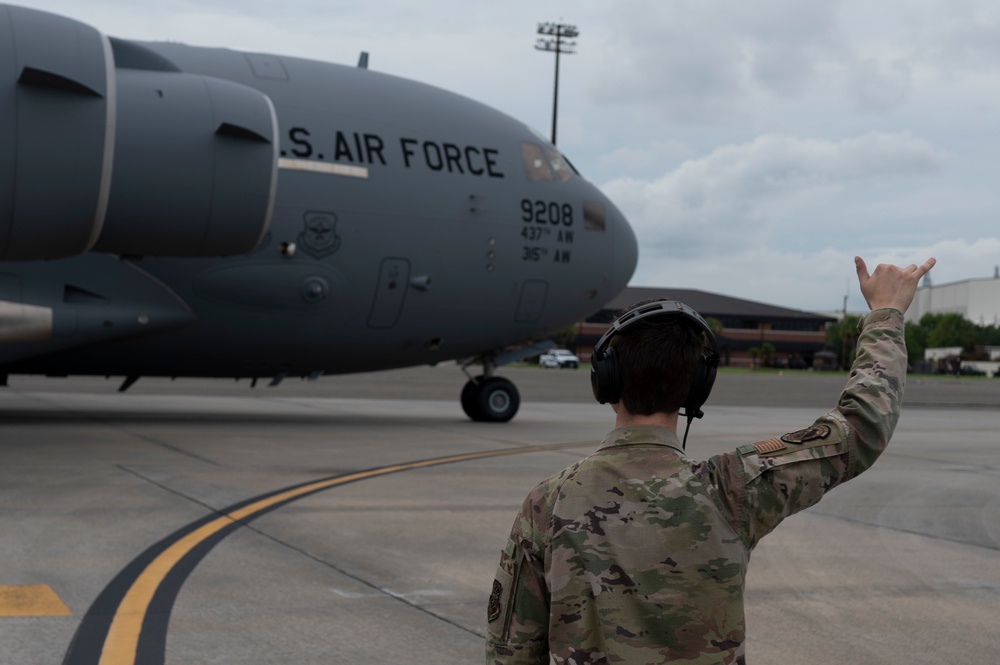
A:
{"x":784,"y":475}
{"x":518,"y":609}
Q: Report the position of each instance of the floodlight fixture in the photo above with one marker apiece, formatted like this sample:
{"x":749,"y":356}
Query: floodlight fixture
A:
{"x":556,"y":41}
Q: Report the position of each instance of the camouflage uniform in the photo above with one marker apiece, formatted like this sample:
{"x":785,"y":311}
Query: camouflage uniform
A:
{"x":636,"y":554}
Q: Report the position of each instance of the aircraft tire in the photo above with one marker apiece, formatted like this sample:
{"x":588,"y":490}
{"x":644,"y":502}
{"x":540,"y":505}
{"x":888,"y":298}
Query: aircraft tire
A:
{"x":469,"y":399}
{"x":491,"y":400}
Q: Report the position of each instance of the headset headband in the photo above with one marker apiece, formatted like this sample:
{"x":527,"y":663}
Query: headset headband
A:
{"x":658,"y":308}
{"x":605,"y":375}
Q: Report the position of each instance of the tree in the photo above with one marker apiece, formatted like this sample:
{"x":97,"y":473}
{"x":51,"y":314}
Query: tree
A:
{"x":842,"y":337}
{"x":767,"y":352}
{"x":566,"y":337}
{"x":916,"y":338}
{"x":944,"y":330}
{"x":932,"y":331}
{"x":949,"y":330}
{"x":714,"y":325}
{"x":753,"y":352}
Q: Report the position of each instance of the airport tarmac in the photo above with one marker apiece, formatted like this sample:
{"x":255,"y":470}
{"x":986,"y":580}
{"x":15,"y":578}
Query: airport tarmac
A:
{"x":359,"y":519}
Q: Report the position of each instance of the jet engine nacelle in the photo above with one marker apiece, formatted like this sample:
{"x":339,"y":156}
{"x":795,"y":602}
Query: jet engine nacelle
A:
{"x":138,"y":159}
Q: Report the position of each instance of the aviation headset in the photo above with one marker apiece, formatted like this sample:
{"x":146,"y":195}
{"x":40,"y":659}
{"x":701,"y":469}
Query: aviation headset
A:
{"x":605,"y":375}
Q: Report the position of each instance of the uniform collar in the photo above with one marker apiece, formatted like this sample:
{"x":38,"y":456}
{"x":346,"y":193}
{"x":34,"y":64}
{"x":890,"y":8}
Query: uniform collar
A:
{"x":641,"y":434}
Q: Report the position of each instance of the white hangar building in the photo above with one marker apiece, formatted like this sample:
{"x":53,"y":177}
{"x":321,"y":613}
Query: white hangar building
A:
{"x":978,"y":300}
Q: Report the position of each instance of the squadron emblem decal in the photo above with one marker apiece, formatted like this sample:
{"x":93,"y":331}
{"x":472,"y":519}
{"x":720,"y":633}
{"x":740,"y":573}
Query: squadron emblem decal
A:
{"x":807,"y":434}
{"x":319,"y":238}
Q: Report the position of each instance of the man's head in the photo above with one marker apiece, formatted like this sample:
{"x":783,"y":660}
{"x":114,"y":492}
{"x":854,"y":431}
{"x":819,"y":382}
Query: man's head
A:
{"x":659,"y":356}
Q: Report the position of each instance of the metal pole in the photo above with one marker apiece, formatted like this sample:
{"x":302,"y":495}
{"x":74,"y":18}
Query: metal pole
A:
{"x":558,"y":31}
{"x":555,"y":94}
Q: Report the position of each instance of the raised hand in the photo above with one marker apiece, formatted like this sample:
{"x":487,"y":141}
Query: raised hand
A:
{"x":889,"y":285}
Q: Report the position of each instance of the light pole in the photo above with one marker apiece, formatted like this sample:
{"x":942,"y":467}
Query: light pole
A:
{"x":556,"y":33}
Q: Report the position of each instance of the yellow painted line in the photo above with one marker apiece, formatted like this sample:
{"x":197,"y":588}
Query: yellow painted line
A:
{"x":31,"y":600}
{"x":123,"y":636}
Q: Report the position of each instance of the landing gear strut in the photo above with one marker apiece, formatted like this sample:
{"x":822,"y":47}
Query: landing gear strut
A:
{"x":490,"y":399}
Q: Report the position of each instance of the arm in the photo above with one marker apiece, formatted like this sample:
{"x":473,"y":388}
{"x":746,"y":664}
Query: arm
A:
{"x":518,"y":609}
{"x":791,"y":473}
{"x":770,"y":480}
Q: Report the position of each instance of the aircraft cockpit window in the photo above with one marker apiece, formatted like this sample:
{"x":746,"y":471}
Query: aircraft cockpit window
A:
{"x":535,"y":165}
{"x":559,"y":164}
{"x":593,"y":216}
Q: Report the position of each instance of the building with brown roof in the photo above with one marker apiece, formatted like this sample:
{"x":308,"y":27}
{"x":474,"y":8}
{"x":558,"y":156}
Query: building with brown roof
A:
{"x":796,"y":336}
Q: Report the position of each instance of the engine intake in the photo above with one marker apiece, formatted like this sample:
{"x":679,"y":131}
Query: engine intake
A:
{"x":56,"y":134}
{"x":143,"y":159}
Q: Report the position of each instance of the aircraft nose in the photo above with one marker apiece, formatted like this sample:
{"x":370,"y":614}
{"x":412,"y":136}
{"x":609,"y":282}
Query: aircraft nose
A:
{"x":625,"y":248}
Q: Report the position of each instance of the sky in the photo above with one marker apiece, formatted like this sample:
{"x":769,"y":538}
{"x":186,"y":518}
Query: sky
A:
{"x":755,"y":147}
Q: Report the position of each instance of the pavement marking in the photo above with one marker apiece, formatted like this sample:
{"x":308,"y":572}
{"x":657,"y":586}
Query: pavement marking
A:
{"x":127,"y":623}
{"x":31,"y":600}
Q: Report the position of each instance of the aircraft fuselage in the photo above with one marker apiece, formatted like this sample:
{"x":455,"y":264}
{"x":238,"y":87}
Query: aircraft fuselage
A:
{"x":406,"y":225}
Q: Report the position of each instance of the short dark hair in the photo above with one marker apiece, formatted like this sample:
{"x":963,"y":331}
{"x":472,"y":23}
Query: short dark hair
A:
{"x":658,"y":362}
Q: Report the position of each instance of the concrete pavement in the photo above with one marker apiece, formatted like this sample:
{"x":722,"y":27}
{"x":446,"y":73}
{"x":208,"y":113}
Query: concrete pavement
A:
{"x":392,"y":562}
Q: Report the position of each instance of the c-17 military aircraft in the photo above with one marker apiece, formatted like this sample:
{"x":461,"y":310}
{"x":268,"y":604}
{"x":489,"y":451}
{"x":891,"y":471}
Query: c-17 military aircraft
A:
{"x":174,"y":211}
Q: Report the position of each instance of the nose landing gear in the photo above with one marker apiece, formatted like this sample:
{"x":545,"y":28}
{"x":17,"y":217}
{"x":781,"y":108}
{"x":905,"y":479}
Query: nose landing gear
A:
{"x":487,"y":398}
{"x":490,"y":399}
{"x":493,"y":399}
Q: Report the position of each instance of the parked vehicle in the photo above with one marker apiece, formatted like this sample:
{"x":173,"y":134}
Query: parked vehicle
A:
{"x":559,"y":358}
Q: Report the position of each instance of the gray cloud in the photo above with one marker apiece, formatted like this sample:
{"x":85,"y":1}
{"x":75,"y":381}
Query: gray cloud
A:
{"x":698,"y":60}
{"x":749,"y":194}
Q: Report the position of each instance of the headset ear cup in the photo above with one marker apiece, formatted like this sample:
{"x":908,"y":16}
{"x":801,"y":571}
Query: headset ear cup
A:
{"x":614,"y":376}
{"x":604,"y":377}
{"x":702,"y":386}
{"x":596,"y":365}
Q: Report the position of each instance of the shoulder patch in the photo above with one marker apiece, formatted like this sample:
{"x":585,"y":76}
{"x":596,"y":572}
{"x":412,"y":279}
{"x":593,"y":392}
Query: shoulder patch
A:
{"x":769,"y":446}
{"x":494,"y":607}
{"x":807,"y":434}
